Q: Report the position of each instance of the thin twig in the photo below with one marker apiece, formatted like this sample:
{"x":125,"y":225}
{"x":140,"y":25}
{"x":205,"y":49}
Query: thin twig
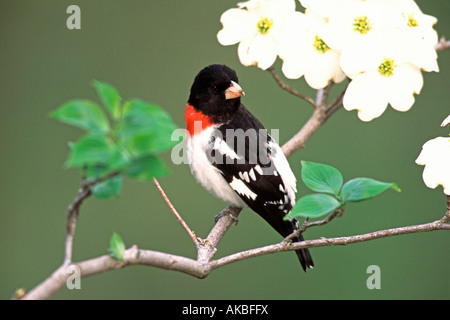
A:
{"x":322,"y":95}
{"x":284,"y":86}
{"x":336,"y":104}
{"x":74,"y":209}
{"x":92,"y":182}
{"x":307,"y":224}
{"x":72,"y":219}
{"x":177,"y":215}
{"x":336,"y":213}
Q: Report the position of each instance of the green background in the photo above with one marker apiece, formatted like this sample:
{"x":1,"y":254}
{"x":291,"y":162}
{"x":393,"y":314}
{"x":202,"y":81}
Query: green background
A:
{"x":153,"y":50}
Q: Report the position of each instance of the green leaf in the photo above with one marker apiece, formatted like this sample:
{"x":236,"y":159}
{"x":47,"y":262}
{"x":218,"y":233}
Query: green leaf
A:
{"x":359,"y":189}
{"x":110,"y":98}
{"x":145,"y":128}
{"x":116,"y":247}
{"x":313,"y":206}
{"x":321,"y":177}
{"x":147,"y":142}
{"x":91,"y":150}
{"x":119,"y":160}
{"x":107,"y":188}
{"x":94,"y":172}
{"x":84,"y":114}
{"x":147,"y":168}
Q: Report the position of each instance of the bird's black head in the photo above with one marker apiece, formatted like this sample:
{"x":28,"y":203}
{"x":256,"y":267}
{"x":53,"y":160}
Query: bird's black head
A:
{"x":215,"y":91}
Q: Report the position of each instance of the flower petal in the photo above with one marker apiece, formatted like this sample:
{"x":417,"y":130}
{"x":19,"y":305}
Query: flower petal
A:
{"x":402,"y":102}
{"x":293,"y":68}
{"x":244,"y":52}
{"x":363,"y":55}
{"x":323,"y":68}
{"x":237,"y":25}
{"x":406,"y":81}
{"x":435,"y":155}
{"x":366,"y":94}
{"x":259,"y":51}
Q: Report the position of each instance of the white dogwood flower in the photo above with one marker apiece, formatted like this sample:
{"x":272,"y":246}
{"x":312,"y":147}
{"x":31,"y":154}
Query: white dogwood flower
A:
{"x":435,"y":156}
{"x":354,"y":22}
{"x":259,"y":27}
{"x":381,"y":75}
{"x":308,"y":55}
{"x":419,"y":33}
{"x":381,"y":45}
{"x":373,"y":90}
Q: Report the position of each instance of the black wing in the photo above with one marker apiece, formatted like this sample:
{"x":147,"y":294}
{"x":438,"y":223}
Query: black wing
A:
{"x":247,"y":157}
{"x":244,"y":154}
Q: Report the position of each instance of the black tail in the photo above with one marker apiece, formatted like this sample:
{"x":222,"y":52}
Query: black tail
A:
{"x":286,"y":228}
{"x":304,"y":256}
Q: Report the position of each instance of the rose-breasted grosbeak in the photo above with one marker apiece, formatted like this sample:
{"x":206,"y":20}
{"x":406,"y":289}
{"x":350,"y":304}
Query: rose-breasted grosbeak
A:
{"x":232,"y":155}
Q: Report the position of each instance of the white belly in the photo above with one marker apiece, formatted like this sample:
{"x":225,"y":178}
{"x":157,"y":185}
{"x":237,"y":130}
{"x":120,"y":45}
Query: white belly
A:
{"x":205,"y":173}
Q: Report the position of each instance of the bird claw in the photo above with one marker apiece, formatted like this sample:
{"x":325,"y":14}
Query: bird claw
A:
{"x":226,"y":212}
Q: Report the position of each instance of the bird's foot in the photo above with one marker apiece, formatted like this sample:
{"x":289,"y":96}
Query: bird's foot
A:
{"x":226,"y":211}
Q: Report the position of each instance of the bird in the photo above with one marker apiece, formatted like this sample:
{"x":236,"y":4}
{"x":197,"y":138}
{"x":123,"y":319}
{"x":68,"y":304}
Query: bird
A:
{"x":231,"y":154}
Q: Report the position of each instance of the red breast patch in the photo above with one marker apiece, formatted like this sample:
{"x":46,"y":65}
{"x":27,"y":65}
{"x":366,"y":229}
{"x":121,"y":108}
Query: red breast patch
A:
{"x":195,"y":120}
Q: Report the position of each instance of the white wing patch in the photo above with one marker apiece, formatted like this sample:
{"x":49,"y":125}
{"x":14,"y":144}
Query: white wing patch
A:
{"x":258,"y":169}
{"x":286,"y":174}
{"x":252,"y":174}
{"x":225,"y":149}
{"x":242,"y":189}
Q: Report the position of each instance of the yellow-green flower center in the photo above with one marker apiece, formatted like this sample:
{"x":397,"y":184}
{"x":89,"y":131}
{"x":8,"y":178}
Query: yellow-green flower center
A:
{"x":362,"y":24}
{"x":264,"y":25}
{"x":411,"y":21}
{"x":320,"y":45}
{"x":386,"y":68}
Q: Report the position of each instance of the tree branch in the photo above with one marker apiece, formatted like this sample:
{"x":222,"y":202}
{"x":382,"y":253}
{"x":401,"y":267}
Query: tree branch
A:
{"x":322,"y":95}
{"x":72,"y":218}
{"x":324,"y":242}
{"x":201,"y":269}
{"x":298,"y":141}
{"x":284,"y":86}
{"x":208,"y":247}
{"x":74,"y":209}
{"x":132,"y":256}
{"x":337,"y":103}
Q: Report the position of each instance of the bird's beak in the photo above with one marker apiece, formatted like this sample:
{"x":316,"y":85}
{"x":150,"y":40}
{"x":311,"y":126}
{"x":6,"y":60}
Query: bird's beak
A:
{"x":234,"y":91}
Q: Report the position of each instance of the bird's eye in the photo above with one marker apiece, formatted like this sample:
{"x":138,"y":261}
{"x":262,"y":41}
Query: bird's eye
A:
{"x":214,"y":88}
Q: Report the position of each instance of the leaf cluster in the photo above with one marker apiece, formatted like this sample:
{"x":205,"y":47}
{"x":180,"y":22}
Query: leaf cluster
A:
{"x":124,"y":138}
{"x":331,"y":191}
